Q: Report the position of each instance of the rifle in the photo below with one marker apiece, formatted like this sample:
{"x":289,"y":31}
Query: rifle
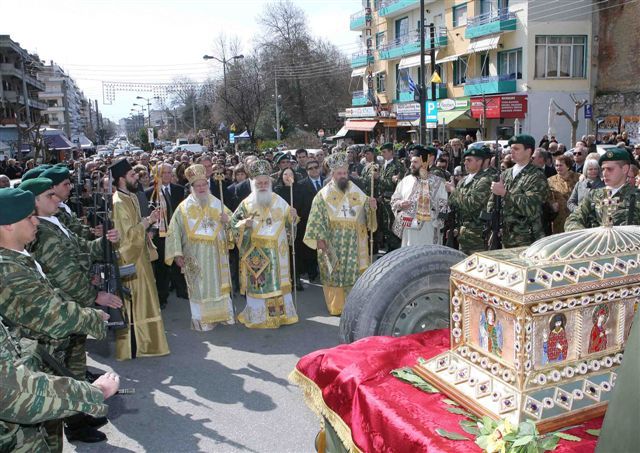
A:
{"x":109,"y":272}
{"x":452,"y":223}
{"x":77,"y":191}
{"x":493,"y":229}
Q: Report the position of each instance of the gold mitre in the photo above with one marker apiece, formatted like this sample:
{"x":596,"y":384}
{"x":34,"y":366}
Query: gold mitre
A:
{"x":338,"y":160}
{"x":195,"y":172}
{"x":260,"y":167}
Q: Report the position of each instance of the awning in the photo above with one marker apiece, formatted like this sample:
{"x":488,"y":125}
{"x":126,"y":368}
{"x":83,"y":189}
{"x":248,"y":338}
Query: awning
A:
{"x":449,"y":58}
{"x":359,"y":72}
{"x":380,"y":71}
{"x":362,"y":126}
{"x":58,"y":142}
{"x":450,"y":117}
{"x":341,"y":134}
{"x":484,"y":44}
{"x":414,"y":61}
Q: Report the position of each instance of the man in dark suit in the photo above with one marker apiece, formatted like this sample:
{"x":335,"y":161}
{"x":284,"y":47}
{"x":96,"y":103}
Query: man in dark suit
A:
{"x":309,"y":187}
{"x":172,"y":195}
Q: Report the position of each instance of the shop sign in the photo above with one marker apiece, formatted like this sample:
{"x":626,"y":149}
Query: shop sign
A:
{"x":360,"y":112}
{"x":409,"y":111}
{"x":512,"y":106}
{"x":447,"y":105}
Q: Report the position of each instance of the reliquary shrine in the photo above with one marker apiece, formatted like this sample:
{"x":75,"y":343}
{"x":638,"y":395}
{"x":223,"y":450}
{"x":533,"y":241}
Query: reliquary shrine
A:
{"x":537,"y":333}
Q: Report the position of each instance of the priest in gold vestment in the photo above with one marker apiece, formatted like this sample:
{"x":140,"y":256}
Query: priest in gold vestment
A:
{"x":145,"y":335}
{"x":341,"y":214}
{"x":262,"y":227}
{"x":198,"y":241}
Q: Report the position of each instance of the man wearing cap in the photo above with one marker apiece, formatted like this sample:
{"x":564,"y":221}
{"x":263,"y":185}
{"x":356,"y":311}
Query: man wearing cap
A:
{"x":340,"y":216}
{"x":470,"y":198}
{"x":198,"y":241}
{"x":372,"y":167}
{"x":61,"y":180}
{"x":30,"y":303}
{"x":391,"y":173}
{"x":590,"y":212}
{"x":72,"y":276}
{"x":419,"y":203}
{"x":523,"y":189}
{"x":262,"y":230}
{"x":282,"y":161}
{"x":145,"y":336}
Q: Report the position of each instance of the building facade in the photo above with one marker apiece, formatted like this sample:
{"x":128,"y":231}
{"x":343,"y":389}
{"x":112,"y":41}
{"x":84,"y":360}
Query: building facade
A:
{"x":501,"y":63}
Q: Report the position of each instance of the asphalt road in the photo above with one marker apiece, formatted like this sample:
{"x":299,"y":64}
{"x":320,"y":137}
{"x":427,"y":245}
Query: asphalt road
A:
{"x":220,"y":391}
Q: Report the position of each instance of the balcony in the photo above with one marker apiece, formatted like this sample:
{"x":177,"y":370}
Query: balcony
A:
{"x":361,"y":59}
{"x":490,"y":85}
{"x":410,"y":44}
{"x":359,"y":98}
{"x":9,"y":69}
{"x":407,"y":96}
{"x":358,"y":20}
{"x":390,"y":8}
{"x":493,"y":22}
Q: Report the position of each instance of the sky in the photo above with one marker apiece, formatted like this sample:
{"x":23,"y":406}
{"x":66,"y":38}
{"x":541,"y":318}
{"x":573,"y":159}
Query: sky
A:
{"x":150,"y":40}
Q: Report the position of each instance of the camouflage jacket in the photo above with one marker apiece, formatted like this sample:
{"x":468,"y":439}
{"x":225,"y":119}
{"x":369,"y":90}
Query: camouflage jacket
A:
{"x":28,"y":300}
{"x":588,"y":214}
{"x":66,"y":261}
{"x":74,"y":224}
{"x":365,"y":178}
{"x":438,"y":172}
{"x":387,"y":185}
{"x":468,"y":201}
{"x":28,"y":397}
{"x":522,"y":206}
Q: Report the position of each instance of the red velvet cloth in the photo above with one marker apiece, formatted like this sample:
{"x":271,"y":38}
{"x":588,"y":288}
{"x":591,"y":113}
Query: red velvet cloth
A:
{"x":386,"y":414}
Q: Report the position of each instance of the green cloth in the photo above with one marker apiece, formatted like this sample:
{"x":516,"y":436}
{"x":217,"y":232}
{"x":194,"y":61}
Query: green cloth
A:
{"x":523,"y":139}
{"x":36,"y":185}
{"x":56,"y":174}
{"x":615,"y":154}
{"x":15,"y":205}
{"x":33,"y":173}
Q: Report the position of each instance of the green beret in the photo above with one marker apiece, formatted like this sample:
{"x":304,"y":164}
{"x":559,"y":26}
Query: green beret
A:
{"x":46,"y":166}
{"x":369,"y":149}
{"x":477,"y":150}
{"x":56,"y":174}
{"x":281,"y":157}
{"x":15,"y":205}
{"x":36,"y":185}
{"x":388,"y":146}
{"x":527,"y":140}
{"x":431,"y":150}
{"x":615,"y":154}
{"x":33,"y":173}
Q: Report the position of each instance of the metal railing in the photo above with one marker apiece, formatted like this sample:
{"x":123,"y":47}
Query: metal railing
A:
{"x":358,"y":94}
{"x":360,"y":54}
{"x":412,"y":37}
{"x":359,"y":15}
{"x":492,"y":16}
{"x":385,"y":3}
{"x":497,"y":78}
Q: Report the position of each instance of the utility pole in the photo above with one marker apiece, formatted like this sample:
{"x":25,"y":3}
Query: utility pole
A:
{"x":423,"y":107}
{"x":432,"y":57}
{"x":99,"y":131}
{"x":193,"y":112}
{"x":277,"y":110}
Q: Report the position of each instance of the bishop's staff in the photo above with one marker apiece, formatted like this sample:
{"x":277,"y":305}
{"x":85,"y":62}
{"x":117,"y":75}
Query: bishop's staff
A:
{"x":289,"y":180}
{"x":157,"y":201}
{"x":374,"y":169}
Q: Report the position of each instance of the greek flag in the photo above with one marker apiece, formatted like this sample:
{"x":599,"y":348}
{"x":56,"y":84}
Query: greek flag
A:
{"x":412,"y":85}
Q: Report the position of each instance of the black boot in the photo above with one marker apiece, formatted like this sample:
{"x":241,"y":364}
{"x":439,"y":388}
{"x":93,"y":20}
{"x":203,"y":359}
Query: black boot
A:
{"x":77,"y":429}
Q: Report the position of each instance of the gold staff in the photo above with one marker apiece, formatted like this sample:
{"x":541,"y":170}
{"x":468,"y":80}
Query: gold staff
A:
{"x":290,"y":180}
{"x":374,"y":168}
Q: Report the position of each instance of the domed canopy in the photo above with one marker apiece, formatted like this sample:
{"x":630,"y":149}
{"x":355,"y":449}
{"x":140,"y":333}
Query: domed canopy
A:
{"x":584,"y":244}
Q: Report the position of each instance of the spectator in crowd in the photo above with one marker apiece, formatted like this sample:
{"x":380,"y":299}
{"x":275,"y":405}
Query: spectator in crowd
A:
{"x":560,"y":188}
{"x":579,"y":155}
{"x":4,"y":181}
{"x":592,"y":179}
{"x":540,"y":159}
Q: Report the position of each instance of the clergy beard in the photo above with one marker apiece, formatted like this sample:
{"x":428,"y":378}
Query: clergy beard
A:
{"x":131,"y":187}
{"x":415,"y":172}
{"x":263,"y":198}
{"x":342,"y":183}
{"x":203,"y":199}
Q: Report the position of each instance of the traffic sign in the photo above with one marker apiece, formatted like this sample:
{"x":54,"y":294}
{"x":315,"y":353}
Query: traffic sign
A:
{"x":232,"y":137}
{"x":432,"y":112}
{"x":588,"y":111}
{"x":431,"y":125}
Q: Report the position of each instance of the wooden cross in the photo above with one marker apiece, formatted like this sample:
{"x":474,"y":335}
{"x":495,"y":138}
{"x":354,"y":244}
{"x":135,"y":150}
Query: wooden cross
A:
{"x":608,"y":206}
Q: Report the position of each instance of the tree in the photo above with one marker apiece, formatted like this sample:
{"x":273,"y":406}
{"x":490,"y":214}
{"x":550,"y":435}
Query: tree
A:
{"x":573,"y":120}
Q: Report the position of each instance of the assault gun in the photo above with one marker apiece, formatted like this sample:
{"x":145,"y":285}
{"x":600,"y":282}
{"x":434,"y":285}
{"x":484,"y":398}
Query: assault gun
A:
{"x":493,"y":228}
{"x":108,"y":272}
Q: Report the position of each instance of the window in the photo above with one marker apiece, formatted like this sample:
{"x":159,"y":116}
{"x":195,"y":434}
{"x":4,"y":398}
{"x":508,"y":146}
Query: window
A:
{"x":460,"y":70}
{"x":379,"y":40}
{"x":381,"y":82}
{"x":510,"y":63}
{"x":402,"y":81}
{"x":460,"y":15}
{"x":484,"y":65}
{"x":402,"y":27}
{"x":561,"y":57}
{"x":492,"y":6}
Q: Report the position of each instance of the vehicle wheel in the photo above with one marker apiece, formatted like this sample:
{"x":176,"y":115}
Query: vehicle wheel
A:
{"x":406,"y":291}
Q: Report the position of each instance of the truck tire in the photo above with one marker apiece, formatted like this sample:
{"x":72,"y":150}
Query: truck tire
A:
{"x":406,"y":291}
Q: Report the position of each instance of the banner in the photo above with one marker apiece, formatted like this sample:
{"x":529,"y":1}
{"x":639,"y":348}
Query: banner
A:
{"x":510,"y":106}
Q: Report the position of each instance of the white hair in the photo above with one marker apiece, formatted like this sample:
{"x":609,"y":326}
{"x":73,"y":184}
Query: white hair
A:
{"x":591,"y":163}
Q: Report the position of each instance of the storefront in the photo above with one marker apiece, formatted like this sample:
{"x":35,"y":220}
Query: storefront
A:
{"x":497,"y":114}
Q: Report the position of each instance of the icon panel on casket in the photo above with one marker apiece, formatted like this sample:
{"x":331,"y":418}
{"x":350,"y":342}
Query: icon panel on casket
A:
{"x":552,"y":339}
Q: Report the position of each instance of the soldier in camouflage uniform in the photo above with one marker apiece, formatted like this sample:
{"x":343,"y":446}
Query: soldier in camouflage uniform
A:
{"x":391,"y":172}
{"x":523,"y":189}
{"x":615,"y":165}
{"x":27,"y":299}
{"x":72,"y":276}
{"x":29,"y":397}
{"x":61,"y":179}
{"x":365,"y":178}
{"x":470,"y":198}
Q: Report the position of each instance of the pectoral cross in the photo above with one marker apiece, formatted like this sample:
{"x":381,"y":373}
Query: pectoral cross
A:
{"x":344,"y":210}
{"x":207,"y":223}
{"x":608,"y":207}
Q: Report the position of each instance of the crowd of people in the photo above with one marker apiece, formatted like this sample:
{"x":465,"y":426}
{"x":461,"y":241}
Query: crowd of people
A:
{"x":210,"y":226}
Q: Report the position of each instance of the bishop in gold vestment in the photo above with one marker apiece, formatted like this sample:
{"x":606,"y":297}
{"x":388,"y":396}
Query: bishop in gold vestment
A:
{"x":145,"y":336}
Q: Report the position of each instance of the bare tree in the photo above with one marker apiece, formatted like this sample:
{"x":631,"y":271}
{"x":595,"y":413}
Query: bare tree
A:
{"x":573,"y":120}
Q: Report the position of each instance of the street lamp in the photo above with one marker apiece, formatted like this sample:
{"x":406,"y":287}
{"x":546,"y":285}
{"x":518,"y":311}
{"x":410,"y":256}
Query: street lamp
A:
{"x":224,"y":62}
{"x":148,"y":105}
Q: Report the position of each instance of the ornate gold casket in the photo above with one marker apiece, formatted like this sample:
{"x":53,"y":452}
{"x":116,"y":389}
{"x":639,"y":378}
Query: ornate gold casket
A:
{"x":537,"y":333}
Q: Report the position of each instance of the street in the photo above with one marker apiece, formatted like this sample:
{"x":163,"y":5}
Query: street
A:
{"x":220,"y":391}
